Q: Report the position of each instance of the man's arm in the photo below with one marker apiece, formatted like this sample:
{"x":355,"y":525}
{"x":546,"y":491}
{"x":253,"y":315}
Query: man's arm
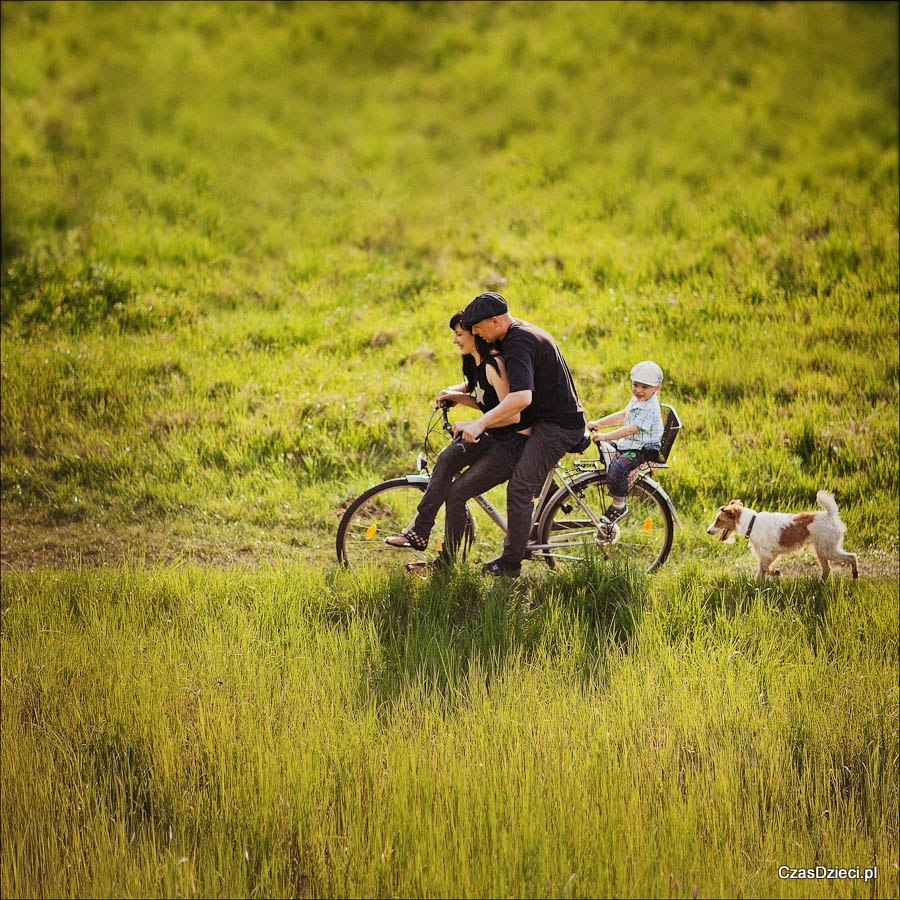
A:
{"x":507,"y":412}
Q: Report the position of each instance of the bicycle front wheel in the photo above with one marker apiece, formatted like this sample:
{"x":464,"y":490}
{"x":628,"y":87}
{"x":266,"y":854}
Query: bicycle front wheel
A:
{"x":380,"y":512}
{"x":570,"y":529}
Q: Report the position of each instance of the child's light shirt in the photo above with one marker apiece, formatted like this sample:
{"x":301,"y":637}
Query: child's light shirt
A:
{"x":648,"y":417}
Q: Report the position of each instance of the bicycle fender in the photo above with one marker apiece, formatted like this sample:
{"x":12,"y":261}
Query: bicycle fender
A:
{"x":419,"y":479}
{"x":659,"y":490}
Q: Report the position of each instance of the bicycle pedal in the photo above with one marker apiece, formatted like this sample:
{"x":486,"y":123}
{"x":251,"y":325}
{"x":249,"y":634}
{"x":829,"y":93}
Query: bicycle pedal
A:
{"x":608,"y":534}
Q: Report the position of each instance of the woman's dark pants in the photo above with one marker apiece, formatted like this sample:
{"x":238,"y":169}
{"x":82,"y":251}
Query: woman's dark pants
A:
{"x":490,"y":462}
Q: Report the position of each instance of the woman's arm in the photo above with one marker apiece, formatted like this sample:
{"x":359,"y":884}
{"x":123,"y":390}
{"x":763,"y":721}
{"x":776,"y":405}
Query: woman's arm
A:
{"x":455,"y":394}
{"x":456,"y":397}
{"x":497,"y":378}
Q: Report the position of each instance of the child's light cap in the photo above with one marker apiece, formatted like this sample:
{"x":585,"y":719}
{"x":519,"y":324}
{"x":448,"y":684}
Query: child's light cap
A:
{"x":647,"y":372}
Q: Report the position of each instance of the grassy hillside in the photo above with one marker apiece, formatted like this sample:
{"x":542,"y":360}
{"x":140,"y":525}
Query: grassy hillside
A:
{"x":232,"y":235}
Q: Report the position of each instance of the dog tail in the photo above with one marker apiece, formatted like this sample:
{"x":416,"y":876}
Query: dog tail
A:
{"x":825,"y":499}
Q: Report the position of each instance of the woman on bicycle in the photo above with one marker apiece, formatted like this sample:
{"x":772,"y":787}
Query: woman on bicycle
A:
{"x":484,"y":385}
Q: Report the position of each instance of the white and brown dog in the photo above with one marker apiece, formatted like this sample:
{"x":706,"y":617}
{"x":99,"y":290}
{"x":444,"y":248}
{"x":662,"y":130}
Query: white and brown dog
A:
{"x":773,"y":534}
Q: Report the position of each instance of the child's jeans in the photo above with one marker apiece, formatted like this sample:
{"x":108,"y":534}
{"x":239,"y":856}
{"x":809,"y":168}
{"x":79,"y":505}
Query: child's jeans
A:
{"x":624,"y":463}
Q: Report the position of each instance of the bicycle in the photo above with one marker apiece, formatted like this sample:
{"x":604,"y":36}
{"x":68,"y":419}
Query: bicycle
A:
{"x":565,"y":525}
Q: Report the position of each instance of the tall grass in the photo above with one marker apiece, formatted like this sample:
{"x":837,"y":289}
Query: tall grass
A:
{"x":292,"y":733}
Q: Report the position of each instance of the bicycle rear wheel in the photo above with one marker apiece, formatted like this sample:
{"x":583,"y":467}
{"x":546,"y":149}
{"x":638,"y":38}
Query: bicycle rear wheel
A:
{"x":384,"y":510}
{"x":570,"y":528}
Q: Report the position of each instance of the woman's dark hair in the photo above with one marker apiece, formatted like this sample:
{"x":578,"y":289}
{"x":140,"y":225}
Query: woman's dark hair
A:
{"x":485,"y":351}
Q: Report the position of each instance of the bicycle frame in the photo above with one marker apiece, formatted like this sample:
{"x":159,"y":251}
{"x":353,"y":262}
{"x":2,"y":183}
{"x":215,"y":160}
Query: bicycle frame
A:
{"x":556,"y":476}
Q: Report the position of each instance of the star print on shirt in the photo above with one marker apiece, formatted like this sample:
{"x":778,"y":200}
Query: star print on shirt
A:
{"x":479,"y":394}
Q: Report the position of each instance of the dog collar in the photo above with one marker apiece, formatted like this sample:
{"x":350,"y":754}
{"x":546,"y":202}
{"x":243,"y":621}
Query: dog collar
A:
{"x":750,"y":526}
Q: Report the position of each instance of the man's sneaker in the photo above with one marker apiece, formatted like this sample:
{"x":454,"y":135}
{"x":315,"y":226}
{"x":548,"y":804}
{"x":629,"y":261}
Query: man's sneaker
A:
{"x":613,"y":514}
{"x":500,"y":569}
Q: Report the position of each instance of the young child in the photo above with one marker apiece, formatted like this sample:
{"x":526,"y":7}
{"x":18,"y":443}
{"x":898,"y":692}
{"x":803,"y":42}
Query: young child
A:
{"x":638,"y":440}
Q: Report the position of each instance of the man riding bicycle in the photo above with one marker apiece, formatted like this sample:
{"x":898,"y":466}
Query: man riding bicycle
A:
{"x":539,"y":381}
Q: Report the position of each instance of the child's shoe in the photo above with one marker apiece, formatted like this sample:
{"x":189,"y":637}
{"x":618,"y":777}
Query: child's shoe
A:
{"x":613,"y":514}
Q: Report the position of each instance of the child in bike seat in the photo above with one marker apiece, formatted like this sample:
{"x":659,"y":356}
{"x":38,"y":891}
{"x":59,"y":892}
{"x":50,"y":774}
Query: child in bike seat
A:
{"x":637,"y":440}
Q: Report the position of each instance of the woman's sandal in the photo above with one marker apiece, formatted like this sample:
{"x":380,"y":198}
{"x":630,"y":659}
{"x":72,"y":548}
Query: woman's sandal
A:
{"x":407,"y":539}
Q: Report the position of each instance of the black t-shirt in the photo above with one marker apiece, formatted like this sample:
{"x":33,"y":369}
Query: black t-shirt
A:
{"x":534,"y":363}
{"x":486,"y":396}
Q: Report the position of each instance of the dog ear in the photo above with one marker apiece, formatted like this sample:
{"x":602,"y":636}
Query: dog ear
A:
{"x":736,"y":503}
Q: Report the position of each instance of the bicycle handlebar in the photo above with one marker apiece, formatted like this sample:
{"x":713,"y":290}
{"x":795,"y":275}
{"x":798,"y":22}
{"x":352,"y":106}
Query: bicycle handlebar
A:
{"x":444,"y":406}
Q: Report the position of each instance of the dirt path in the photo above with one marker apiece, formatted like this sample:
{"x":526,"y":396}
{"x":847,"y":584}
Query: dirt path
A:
{"x":24,"y":547}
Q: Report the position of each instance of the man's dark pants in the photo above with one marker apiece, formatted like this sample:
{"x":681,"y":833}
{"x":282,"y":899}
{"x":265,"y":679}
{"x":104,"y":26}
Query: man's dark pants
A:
{"x":544,"y":449}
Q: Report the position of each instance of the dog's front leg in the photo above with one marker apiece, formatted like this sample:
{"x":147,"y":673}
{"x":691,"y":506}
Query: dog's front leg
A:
{"x":764,"y":562}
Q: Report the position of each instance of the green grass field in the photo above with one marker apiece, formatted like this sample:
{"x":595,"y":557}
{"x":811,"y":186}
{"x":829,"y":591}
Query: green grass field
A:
{"x":232,"y":236}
